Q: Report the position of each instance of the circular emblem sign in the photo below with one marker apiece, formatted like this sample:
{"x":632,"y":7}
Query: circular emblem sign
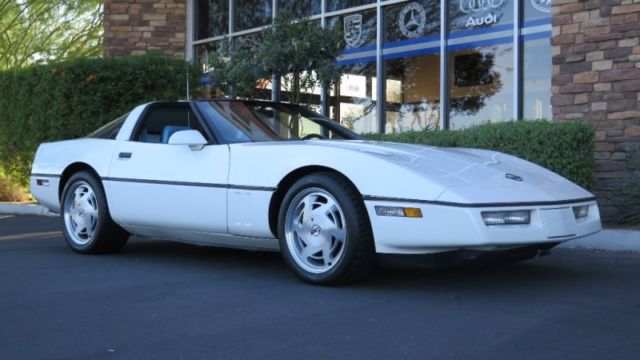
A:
{"x":475,"y":6}
{"x":412,"y":19}
{"x":542,"y":5}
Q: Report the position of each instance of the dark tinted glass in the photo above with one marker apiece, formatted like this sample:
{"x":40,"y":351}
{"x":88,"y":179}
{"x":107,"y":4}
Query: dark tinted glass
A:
{"x":300,"y":8}
{"x":110,"y":130}
{"x":213,"y":18}
{"x":250,"y":14}
{"x":333,"y":5}
{"x":239,"y":121}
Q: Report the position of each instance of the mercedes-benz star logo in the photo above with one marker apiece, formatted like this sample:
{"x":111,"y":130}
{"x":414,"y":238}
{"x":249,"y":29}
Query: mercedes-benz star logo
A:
{"x":412,"y":19}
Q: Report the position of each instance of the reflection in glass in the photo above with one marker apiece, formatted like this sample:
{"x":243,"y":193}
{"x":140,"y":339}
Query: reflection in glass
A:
{"x":412,"y":93}
{"x":301,"y":89}
{"x":300,"y":8}
{"x":259,"y":14}
{"x":481,"y":85}
{"x":353,"y":101}
{"x":250,"y":42}
{"x":537,"y":79}
{"x":333,"y":5}
{"x":537,"y":9}
{"x":213,"y":18}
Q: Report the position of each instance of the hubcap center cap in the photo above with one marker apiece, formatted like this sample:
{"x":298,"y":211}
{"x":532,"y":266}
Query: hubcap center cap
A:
{"x":316,"y":230}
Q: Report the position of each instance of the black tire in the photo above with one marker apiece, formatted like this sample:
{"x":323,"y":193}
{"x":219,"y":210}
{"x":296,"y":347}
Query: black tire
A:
{"x":102,"y":234}
{"x":355,"y":258}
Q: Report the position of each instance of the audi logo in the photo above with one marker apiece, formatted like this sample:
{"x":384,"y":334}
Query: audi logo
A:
{"x":473,"y":6}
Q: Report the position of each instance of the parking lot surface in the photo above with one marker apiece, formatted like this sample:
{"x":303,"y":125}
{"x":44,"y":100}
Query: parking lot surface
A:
{"x":166,"y":300}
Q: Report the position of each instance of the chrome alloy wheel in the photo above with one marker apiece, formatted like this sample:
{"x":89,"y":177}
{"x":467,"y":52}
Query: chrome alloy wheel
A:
{"x":315,"y":230}
{"x":81,"y":213}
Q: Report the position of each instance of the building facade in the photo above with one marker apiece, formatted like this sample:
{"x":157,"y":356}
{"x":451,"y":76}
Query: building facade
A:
{"x":448,"y":64}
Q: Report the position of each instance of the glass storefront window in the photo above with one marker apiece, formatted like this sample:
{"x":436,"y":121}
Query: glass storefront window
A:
{"x":468,"y":15}
{"x":536,"y":32}
{"x":260,"y":14}
{"x":306,"y":87}
{"x":481,"y":85}
{"x":412,"y":66}
{"x":480,"y":53}
{"x":352,"y":101}
{"x":481,"y":62}
{"x":358,"y":29}
{"x":213,"y":18}
{"x":333,"y":5}
{"x":300,"y":8}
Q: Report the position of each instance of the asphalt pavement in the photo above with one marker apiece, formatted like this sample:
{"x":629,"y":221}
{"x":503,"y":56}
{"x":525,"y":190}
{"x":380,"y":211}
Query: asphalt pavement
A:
{"x":162,"y":300}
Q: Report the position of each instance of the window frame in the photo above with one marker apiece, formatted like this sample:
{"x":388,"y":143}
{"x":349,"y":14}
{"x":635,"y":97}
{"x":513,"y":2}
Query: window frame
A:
{"x":208,"y":135}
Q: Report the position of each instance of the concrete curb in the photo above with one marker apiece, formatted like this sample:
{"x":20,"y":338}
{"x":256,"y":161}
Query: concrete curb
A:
{"x":25,"y":209}
{"x":607,"y":239}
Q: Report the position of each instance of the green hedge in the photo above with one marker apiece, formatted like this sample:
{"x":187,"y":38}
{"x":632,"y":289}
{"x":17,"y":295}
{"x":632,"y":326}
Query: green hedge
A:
{"x":566,"y":148}
{"x":70,"y":99}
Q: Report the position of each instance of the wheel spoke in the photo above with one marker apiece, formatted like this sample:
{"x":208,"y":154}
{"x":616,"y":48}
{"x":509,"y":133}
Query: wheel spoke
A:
{"x":308,"y":251}
{"x":80,"y":229}
{"x":337,"y":233}
{"x":326,"y":253}
{"x":307,"y":211}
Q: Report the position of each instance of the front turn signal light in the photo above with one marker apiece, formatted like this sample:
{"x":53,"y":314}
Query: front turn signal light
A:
{"x":398,"y":211}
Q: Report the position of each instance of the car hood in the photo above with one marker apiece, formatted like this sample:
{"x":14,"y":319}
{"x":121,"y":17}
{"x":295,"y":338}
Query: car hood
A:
{"x":472,"y":175}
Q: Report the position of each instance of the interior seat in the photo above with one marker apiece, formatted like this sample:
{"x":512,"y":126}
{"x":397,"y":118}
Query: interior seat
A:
{"x":169,"y":130}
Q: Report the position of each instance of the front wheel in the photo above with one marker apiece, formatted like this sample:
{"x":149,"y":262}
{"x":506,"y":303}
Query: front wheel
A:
{"x":324,"y":231}
{"x":87,"y":224}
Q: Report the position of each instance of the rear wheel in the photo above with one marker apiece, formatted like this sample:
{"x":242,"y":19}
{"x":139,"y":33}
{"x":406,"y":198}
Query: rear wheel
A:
{"x":87,"y":224}
{"x":324,"y":231}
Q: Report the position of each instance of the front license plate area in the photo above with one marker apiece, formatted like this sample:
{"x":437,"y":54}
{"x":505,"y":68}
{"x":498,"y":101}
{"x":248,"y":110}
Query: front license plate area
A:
{"x":559,"y":222}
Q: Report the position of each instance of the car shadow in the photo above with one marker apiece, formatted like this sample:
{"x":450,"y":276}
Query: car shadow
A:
{"x":537,"y":272}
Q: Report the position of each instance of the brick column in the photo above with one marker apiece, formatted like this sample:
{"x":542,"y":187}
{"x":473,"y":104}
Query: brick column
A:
{"x":596,"y":77}
{"x":137,"y":26}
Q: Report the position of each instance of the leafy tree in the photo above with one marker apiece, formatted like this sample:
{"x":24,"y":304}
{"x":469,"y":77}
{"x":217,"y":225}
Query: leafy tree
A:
{"x":36,"y":31}
{"x":299,"y":51}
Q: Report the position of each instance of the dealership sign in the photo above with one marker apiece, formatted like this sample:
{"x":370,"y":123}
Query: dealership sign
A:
{"x":481,"y":12}
{"x":353,"y":29}
{"x":412,"y":19}
{"x":542,"y":5}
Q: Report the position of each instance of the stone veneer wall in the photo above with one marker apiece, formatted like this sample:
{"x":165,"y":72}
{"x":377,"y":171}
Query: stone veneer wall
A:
{"x":137,"y":26}
{"x":596,"y":77}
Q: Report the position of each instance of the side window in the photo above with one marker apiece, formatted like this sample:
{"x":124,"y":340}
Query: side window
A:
{"x":160,"y":123}
{"x":110,"y":130}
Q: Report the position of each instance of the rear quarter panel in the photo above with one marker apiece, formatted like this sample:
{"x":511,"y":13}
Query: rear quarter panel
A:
{"x":52,"y":159}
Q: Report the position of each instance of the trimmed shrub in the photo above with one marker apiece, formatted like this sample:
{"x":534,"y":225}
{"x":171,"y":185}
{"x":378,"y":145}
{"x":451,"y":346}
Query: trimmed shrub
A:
{"x":565,"y":148}
{"x":70,"y":99}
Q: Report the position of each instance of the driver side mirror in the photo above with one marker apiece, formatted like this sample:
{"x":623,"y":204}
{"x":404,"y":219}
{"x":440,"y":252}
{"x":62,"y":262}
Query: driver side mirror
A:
{"x":193,"y":138}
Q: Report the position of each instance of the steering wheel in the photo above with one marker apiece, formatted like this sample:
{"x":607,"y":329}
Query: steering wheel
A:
{"x":313,"y":136}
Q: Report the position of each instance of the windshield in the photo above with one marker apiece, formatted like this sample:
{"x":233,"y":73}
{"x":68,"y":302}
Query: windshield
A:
{"x":244,"y":121}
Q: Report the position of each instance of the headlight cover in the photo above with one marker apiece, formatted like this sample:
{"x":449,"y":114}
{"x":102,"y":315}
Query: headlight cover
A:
{"x":517,"y":217}
{"x":581,"y":211}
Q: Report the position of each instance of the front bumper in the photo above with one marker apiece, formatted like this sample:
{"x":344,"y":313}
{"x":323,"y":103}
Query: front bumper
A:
{"x":448,"y":228}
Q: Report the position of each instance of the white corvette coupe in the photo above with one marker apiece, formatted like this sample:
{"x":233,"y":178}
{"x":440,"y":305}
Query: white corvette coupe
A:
{"x":262,"y":175}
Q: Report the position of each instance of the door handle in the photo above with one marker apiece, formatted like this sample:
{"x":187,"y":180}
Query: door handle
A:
{"x":124,"y":155}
